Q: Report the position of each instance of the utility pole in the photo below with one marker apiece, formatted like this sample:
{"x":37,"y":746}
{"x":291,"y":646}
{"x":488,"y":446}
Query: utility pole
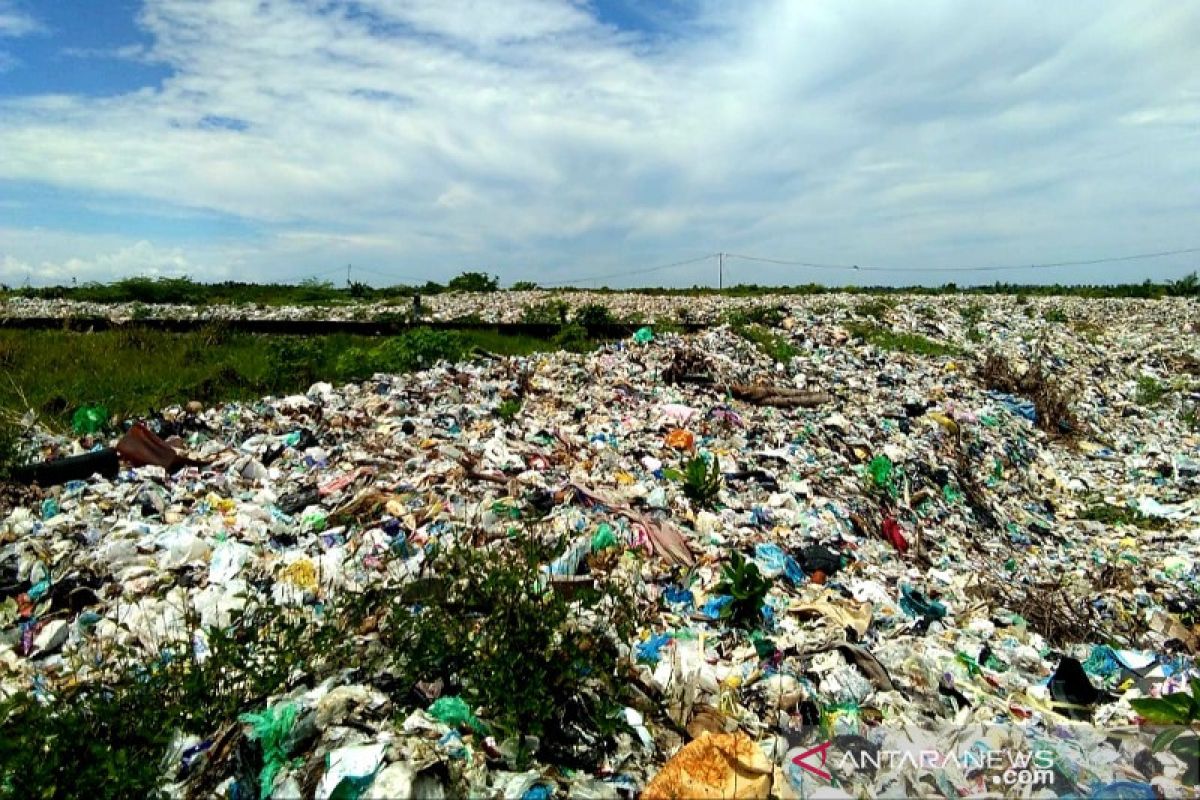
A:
{"x":348,"y":283}
{"x":720,"y":271}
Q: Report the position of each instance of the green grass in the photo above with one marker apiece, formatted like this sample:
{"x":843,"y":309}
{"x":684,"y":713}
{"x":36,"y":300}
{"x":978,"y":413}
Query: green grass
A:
{"x":876,"y":309}
{"x":972,"y":313}
{"x":887,"y":339}
{"x":1150,"y":392}
{"x":1121,"y":515}
{"x":775,"y":347}
{"x":135,"y":371}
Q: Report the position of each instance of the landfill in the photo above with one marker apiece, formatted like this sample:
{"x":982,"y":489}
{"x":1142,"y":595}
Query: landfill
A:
{"x":855,"y":544}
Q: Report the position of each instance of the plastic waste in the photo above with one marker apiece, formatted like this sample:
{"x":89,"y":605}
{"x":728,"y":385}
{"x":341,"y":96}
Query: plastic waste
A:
{"x":271,"y":729}
{"x":455,"y":712}
{"x":89,"y":419}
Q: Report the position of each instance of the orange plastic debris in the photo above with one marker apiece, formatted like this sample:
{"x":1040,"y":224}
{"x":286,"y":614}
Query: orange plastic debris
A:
{"x":729,"y":766}
{"x":680,"y":439}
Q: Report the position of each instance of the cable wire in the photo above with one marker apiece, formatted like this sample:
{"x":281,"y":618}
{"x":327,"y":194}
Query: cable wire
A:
{"x":992,"y":268}
{"x":632,"y":272}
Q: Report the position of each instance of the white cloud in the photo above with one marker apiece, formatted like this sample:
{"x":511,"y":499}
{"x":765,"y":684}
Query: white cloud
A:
{"x":15,"y":22}
{"x":527,"y":136}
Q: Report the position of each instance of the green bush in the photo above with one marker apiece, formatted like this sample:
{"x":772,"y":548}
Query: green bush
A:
{"x":593,"y":316}
{"x":295,"y":359}
{"x":523,"y":654}
{"x":529,"y":659}
{"x":524,"y":286}
{"x":412,"y":350}
{"x":573,"y":338}
{"x":549,"y":312}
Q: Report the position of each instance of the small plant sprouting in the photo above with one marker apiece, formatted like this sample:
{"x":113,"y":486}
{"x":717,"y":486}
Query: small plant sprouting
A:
{"x":742,"y":580}
{"x":1150,"y":391}
{"x":701,"y":480}
{"x":509,"y":409}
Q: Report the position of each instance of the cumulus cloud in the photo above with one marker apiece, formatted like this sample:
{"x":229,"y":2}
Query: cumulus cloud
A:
{"x":531,"y":137}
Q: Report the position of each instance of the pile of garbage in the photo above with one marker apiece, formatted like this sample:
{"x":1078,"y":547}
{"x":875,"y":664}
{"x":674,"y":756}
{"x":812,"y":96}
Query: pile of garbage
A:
{"x":506,"y":307}
{"x":856,"y":551}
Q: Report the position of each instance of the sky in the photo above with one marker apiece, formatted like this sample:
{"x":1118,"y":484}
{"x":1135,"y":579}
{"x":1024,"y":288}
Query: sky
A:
{"x":598,"y":141}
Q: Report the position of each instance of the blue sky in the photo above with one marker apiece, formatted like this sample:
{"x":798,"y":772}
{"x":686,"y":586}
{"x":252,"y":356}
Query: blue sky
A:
{"x":556,"y":139}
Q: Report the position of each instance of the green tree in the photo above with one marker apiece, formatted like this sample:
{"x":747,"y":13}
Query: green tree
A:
{"x":474,"y":282}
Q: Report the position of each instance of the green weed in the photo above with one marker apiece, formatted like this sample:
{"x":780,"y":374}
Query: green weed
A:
{"x":775,"y":347}
{"x":876,"y":309}
{"x":1150,"y":391}
{"x":702,"y":480}
{"x":972,"y":313}
{"x":742,"y":580}
{"x":887,"y":339}
{"x":1121,"y":515}
{"x":767,"y":316}
{"x":509,"y":409}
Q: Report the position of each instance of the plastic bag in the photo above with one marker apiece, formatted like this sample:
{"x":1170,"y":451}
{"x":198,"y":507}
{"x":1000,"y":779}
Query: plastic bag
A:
{"x":89,"y":419}
{"x":271,"y":729}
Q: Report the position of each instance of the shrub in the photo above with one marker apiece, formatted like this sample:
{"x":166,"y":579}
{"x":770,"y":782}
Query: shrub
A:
{"x":522,"y":653}
{"x":412,"y":350}
{"x":593,"y":316}
{"x":295,"y":358}
{"x":315,"y":292}
{"x":531,"y":660}
{"x":573,"y":338}
{"x":549,"y":312}
{"x":524,"y":286}
{"x":1054,"y":315}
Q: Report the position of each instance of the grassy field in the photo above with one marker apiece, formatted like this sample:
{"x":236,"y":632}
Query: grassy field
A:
{"x":136,"y":371}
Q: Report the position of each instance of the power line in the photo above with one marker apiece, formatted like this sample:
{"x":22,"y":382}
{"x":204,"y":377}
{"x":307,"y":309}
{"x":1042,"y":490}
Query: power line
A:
{"x":633,"y":272}
{"x":391,"y":276}
{"x":991,"y":268}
